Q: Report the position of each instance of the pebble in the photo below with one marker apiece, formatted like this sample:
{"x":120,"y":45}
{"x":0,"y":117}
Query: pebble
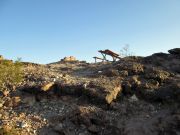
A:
{"x":22,"y":124}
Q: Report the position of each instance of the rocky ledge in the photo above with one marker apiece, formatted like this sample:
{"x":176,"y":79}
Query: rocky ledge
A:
{"x":133,"y":96}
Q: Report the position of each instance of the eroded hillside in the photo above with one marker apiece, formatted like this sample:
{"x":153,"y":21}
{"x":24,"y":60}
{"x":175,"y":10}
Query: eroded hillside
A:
{"x":133,"y":96}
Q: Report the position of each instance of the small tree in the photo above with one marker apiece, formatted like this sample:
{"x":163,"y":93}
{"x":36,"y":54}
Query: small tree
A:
{"x":125,"y":51}
{"x":11,"y":73}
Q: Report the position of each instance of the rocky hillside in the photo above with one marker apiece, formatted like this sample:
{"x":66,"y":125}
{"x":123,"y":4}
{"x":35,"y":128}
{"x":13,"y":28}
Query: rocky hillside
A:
{"x":133,"y":96}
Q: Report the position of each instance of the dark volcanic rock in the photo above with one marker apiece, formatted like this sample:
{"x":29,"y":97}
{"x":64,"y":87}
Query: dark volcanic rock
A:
{"x":100,"y":90}
{"x":175,"y":51}
{"x":133,"y":68}
{"x":157,"y":74}
{"x":104,"y":89}
{"x":111,"y":73}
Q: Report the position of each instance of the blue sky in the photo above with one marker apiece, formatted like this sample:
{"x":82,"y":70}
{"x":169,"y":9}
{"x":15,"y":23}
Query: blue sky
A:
{"x":45,"y":31}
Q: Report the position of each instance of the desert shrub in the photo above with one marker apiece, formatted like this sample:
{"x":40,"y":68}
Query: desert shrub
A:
{"x":125,"y":51}
{"x":11,"y":74}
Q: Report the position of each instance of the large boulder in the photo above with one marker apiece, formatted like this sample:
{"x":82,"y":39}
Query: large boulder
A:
{"x":69,"y":59}
{"x":105,"y":90}
{"x":102,"y":90}
{"x":175,"y":51}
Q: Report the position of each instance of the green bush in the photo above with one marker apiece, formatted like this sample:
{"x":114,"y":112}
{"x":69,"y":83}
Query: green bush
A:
{"x":11,"y":73}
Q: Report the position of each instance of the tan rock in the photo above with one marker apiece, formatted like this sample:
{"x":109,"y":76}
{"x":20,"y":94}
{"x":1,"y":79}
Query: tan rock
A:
{"x":47,"y":87}
{"x":69,"y":59}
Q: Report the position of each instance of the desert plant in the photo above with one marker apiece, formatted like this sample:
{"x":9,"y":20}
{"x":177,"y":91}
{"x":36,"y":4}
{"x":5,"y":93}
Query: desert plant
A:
{"x":125,"y":51}
{"x":11,"y":74}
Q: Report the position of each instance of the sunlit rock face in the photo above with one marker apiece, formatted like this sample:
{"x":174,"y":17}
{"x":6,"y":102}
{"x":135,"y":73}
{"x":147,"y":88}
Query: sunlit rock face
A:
{"x":69,"y":59}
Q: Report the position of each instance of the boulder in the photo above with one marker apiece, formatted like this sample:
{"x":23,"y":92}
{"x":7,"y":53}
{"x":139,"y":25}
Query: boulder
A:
{"x":157,"y":74}
{"x":175,"y":51}
{"x":102,"y":90}
{"x":110,"y":73}
{"x":47,"y":86}
{"x":69,"y":59}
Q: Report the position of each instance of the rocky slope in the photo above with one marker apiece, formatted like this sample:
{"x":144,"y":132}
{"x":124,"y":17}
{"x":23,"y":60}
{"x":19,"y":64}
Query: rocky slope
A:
{"x":133,"y":96}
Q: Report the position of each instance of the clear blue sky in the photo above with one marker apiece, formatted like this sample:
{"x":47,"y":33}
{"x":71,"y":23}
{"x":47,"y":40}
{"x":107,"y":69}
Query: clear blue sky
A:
{"x":44,"y":31}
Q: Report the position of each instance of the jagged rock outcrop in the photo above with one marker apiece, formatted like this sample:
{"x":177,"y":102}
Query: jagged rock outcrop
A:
{"x":175,"y":51}
{"x":69,"y":59}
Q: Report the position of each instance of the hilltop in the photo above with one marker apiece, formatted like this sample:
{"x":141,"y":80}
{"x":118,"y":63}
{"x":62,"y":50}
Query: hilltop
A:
{"x":132,"y":96}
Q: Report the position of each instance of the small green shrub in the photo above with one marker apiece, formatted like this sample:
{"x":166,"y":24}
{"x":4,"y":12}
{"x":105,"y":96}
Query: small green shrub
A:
{"x":11,"y":73}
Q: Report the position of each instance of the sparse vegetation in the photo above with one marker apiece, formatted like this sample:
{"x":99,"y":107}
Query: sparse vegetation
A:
{"x":125,"y":51}
{"x":10,"y":73}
